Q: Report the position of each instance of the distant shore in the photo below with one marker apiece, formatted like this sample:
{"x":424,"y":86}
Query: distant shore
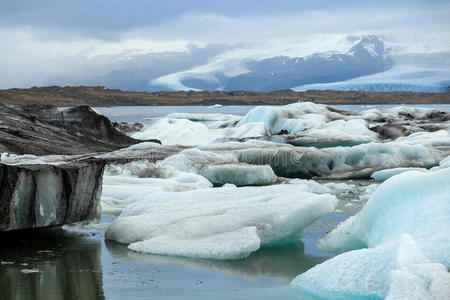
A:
{"x":101,"y":96}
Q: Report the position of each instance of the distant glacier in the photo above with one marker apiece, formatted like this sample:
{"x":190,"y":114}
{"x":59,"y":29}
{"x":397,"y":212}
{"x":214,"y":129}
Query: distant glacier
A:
{"x":336,"y":62}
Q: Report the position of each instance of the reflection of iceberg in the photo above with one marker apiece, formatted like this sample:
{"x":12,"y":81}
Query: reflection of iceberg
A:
{"x":282,"y":262}
{"x":66,"y":269}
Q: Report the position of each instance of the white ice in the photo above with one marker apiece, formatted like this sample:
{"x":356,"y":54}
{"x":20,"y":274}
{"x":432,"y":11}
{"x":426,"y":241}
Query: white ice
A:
{"x":125,"y":184}
{"x":190,"y":133}
{"x":382,"y":175}
{"x":398,"y":245}
{"x":219,"y":223}
{"x":239,"y":174}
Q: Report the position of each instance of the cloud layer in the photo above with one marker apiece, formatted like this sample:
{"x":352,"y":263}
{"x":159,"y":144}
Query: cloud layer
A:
{"x":75,"y":39}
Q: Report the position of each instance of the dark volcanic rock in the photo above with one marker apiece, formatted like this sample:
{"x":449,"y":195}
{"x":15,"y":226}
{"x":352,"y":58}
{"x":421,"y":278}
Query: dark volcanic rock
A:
{"x":43,"y":129}
{"x":41,"y":195}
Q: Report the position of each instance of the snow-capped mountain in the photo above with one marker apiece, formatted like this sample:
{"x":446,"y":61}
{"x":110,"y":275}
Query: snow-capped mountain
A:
{"x":349,"y":58}
{"x":318,"y":62}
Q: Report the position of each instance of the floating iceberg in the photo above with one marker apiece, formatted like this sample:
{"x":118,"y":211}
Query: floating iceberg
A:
{"x":403,"y":238}
{"x":190,"y":133}
{"x":239,"y":174}
{"x":306,"y":162}
{"x":388,"y":173}
{"x":219,"y":223}
{"x":127,"y":183}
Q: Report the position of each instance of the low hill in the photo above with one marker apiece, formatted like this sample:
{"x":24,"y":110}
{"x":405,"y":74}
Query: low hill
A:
{"x":101,"y":96}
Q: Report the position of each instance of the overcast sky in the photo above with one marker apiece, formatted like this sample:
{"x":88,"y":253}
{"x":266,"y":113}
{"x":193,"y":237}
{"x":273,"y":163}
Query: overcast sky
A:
{"x":47,"y":37}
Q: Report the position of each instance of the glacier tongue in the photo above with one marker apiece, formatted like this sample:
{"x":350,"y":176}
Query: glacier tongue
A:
{"x":219,"y":223}
{"x":405,"y":227}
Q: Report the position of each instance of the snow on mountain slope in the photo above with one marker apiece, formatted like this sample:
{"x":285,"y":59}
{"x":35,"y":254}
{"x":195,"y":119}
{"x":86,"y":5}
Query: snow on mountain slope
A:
{"x":396,"y":79}
{"x":415,"y":69}
{"x":234,"y":62}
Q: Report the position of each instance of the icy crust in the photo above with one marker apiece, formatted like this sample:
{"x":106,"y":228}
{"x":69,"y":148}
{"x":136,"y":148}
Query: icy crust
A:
{"x":404,"y":232}
{"x":127,"y":183}
{"x":219,"y":223}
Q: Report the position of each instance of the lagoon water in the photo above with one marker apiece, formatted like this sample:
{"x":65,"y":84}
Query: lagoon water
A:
{"x":77,"y":263}
{"x":139,"y":113}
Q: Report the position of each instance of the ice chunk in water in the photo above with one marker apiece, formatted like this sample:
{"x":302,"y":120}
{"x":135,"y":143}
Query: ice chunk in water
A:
{"x":219,"y":223}
{"x":239,"y":174}
{"x":405,"y":227}
{"x":388,"y":173}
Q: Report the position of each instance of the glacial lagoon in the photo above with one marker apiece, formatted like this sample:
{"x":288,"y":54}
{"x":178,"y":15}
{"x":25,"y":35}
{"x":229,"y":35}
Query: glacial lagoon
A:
{"x":76,"y":262}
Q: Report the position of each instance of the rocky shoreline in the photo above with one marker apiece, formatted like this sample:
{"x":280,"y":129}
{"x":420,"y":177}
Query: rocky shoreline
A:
{"x":102,"y":96}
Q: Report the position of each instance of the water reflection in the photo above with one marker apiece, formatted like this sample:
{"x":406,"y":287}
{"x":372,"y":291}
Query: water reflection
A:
{"x":68,"y":266}
{"x":282,"y":262}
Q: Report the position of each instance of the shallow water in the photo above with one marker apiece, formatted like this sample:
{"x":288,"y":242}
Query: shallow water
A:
{"x":77,"y":263}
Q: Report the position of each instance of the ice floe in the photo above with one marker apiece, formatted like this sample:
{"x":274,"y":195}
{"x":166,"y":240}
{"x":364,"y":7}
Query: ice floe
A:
{"x":239,"y":174}
{"x":388,"y":173}
{"x":190,"y":133}
{"x":127,"y":183}
{"x":219,"y":223}
{"x":305,"y":162}
{"x":398,"y":245}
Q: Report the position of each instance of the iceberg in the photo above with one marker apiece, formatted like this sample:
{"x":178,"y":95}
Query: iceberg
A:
{"x":239,"y":174}
{"x":124,"y":184}
{"x":305,"y":162}
{"x":398,"y":245}
{"x":189,"y":133}
{"x":388,"y":173}
{"x":219,"y":223}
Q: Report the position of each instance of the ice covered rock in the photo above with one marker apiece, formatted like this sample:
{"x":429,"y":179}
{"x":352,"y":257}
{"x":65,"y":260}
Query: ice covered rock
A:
{"x":219,"y":223}
{"x":398,"y":245}
{"x":239,"y":174}
{"x":45,"y":192}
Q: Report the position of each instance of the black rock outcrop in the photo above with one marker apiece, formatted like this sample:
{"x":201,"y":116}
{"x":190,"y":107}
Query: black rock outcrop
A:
{"x":45,"y":129}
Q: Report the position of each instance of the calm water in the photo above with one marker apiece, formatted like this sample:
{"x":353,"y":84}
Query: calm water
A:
{"x":139,"y":113}
{"x":78,"y":263}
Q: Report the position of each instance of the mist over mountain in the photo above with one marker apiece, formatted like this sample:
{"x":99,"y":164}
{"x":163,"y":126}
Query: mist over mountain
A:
{"x":261,"y":45}
{"x":360,"y":63}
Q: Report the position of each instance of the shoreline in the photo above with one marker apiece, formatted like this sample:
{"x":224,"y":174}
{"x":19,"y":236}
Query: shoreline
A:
{"x":102,"y":97}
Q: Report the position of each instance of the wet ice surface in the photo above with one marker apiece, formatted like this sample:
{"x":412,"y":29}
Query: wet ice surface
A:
{"x":77,"y":263}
